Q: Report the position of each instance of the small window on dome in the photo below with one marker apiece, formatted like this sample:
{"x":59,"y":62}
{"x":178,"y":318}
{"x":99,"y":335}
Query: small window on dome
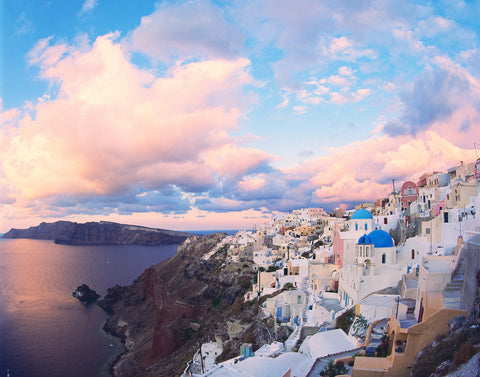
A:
{"x":384,"y":258}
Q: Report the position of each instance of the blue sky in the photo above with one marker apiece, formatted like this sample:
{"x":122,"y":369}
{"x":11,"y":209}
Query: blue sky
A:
{"x":198,"y":114}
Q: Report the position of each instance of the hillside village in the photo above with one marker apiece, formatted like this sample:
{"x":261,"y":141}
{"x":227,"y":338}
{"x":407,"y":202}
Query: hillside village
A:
{"x":362,"y":291}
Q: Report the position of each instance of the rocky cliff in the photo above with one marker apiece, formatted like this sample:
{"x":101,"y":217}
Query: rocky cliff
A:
{"x":178,"y":304}
{"x":99,"y":233}
{"x":44,"y":231}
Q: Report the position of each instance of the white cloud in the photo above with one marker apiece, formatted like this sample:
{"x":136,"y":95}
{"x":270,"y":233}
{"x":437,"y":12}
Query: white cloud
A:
{"x":184,"y":31}
{"x":113,"y":127}
{"x":88,"y":6}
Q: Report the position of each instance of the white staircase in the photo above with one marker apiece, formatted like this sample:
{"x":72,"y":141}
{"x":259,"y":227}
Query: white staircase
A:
{"x":452,"y":294}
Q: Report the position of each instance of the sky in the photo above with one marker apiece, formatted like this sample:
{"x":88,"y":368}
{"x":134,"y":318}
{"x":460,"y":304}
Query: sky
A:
{"x":205,"y":114}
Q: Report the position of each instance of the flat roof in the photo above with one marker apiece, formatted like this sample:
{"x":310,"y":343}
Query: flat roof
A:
{"x":435,"y":265}
{"x":379,"y":300}
{"x":331,"y":304}
{"x":411,"y":283}
{"x":255,"y":366}
{"x":327,"y":343}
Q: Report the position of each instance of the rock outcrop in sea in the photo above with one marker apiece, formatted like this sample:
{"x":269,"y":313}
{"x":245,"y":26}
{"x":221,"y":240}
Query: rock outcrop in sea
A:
{"x":85,"y":294}
{"x":99,"y":233}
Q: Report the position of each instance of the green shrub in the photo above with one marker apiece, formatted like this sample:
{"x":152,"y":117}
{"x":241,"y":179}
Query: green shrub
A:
{"x":360,"y":326}
{"x":244,"y":282}
{"x":382,"y":349}
{"x":332,"y":370}
{"x":345,"y":320}
{"x":237,"y":306}
{"x":217,"y":300}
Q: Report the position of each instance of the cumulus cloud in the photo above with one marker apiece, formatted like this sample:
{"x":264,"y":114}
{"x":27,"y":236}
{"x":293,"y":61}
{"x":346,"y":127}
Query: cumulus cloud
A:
{"x":109,"y":137}
{"x":363,"y":171}
{"x":189,"y":30}
{"x":315,"y":34}
{"x":114,"y":128}
{"x":338,"y":89}
{"x":442,"y":98}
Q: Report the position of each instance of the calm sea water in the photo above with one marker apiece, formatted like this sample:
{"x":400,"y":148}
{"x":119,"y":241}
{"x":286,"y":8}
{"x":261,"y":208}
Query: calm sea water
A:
{"x":44,"y":331}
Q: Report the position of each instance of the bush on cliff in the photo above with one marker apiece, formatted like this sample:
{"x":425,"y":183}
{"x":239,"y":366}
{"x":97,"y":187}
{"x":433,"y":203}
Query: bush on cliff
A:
{"x":244,"y":282}
{"x":446,"y":347}
{"x":345,"y":320}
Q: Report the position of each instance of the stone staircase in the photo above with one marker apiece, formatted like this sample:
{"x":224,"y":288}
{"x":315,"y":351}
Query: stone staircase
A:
{"x":291,"y":344}
{"x":304,"y":288}
{"x":292,"y":340}
{"x":452,"y":294}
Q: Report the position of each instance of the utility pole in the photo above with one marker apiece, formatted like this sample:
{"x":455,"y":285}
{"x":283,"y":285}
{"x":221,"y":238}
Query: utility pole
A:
{"x":201,"y":356}
{"x":258,"y":281}
{"x":431,"y":237}
{"x":394,"y":194}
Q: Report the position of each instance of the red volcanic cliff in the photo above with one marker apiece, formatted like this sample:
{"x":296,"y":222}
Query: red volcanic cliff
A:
{"x":175,"y":305}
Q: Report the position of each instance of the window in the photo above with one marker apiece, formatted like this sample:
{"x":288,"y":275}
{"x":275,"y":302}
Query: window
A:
{"x":384,"y":258}
{"x":366,"y":227}
{"x":356,"y":226}
{"x":427,"y":231}
{"x":385,"y":220}
{"x":299,"y":299}
{"x":413,"y":254}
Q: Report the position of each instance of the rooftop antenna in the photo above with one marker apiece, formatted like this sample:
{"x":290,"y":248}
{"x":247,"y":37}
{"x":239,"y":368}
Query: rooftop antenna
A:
{"x":394,"y":194}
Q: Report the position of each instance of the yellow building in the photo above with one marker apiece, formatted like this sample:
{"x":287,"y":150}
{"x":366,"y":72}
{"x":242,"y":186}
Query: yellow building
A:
{"x":405,"y":343}
{"x":320,"y":275}
{"x":410,"y":332}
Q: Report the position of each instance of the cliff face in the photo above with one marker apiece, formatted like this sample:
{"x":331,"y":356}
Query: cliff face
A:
{"x":99,"y":233}
{"x":175,"y":305}
{"x":44,"y":231}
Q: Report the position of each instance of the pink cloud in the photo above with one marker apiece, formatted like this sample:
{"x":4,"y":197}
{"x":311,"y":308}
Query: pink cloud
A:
{"x":252,"y":183}
{"x":183,"y":31}
{"x":232,"y":160}
{"x":113,"y":126}
{"x":363,"y":171}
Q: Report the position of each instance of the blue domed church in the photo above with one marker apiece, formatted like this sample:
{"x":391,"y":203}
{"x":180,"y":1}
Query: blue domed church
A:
{"x":360,"y":222}
{"x":372,"y":250}
{"x":374,"y":267}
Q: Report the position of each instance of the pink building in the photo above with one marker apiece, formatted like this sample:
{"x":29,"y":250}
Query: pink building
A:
{"x":316,"y":212}
{"x":337,"y":246}
{"x":408,"y":194}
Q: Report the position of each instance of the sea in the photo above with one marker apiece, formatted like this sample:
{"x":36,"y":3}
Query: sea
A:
{"x":44,"y":330}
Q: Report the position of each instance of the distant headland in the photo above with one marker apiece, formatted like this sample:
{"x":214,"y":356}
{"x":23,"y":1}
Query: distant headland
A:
{"x":99,"y":233}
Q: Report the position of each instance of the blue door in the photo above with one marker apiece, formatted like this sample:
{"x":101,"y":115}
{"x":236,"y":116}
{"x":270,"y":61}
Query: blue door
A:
{"x":279,"y":312}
